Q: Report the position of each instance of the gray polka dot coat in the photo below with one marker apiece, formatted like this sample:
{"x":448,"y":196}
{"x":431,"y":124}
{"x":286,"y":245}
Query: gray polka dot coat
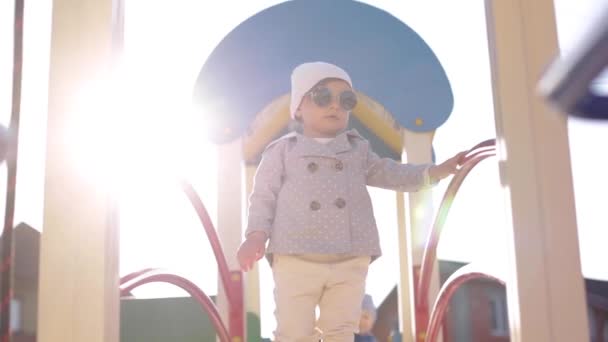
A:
{"x":312,"y":198}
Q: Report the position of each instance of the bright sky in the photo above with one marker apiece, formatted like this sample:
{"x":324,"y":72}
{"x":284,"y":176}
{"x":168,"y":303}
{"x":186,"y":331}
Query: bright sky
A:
{"x":166,"y":45}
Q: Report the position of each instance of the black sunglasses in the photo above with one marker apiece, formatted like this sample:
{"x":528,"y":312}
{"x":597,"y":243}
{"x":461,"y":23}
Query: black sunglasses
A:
{"x":322,"y":97}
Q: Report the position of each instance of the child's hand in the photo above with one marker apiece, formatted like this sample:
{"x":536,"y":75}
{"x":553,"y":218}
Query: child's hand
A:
{"x":448,"y":167}
{"x":251,"y":250}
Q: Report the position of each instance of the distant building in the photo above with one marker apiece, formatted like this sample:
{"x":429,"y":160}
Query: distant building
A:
{"x":478,"y":311}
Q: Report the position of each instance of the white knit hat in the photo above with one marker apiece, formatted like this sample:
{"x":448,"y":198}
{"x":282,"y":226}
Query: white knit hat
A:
{"x":307,"y":75}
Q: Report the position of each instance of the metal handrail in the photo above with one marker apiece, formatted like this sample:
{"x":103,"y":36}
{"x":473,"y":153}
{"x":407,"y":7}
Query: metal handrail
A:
{"x":457,"y":279}
{"x":475,"y":155}
{"x":216,"y":246}
{"x":137,"y":279}
{"x":470,"y":160}
{"x":230,"y":280}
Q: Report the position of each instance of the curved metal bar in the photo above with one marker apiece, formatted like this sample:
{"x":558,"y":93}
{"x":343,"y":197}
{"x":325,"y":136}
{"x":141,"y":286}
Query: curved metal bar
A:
{"x":475,"y":155}
{"x":135,"y":274}
{"x":483,"y":147}
{"x":203,"y":216}
{"x":185,"y":284}
{"x":452,"y":284}
{"x":489,"y":144}
{"x":231,"y":280}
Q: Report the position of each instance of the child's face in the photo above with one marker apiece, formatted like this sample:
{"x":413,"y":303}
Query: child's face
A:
{"x":324,"y":121}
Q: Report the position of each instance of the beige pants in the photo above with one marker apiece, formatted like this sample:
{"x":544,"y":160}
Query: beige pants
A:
{"x":336,"y":287}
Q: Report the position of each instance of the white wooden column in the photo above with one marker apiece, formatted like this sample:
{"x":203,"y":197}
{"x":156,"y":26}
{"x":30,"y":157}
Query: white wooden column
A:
{"x":230,"y":211}
{"x":545,"y":289}
{"x":78,"y":292}
{"x":406,"y":285}
{"x":252,"y":278}
{"x":418,"y":150}
{"x":419,"y":215}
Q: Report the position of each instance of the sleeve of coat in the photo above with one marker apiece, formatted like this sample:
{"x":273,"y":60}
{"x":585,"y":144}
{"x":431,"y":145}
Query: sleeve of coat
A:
{"x":266,"y":185}
{"x":390,"y":174}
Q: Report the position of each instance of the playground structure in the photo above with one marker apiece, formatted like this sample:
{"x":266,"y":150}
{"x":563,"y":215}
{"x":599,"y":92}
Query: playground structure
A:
{"x":233,"y":329}
{"x":231,"y":280}
{"x":428,"y":323}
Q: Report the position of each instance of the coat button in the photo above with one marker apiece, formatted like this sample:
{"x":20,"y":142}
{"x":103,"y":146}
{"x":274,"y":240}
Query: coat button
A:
{"x":312,"y":166}
{"x":339,"y":165}
{"x":314,"y":205}
{"x":340,"y":203}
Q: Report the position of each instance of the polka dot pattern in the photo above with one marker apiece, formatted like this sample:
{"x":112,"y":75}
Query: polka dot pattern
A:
{"x":312,"y":198}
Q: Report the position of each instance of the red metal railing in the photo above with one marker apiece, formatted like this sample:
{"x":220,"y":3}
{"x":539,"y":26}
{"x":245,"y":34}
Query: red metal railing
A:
{"x":153,"y":276}
{"x":457,"y":279}
{"x":231,"y":280}
{"x":475,"y":155}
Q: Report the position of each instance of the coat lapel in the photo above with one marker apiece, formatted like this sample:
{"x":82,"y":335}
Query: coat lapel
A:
{"x":309,"y":147}
{"x":341,"y":143}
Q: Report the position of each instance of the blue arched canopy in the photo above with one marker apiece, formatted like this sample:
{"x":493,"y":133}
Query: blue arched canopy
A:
{"x":386,"y":59}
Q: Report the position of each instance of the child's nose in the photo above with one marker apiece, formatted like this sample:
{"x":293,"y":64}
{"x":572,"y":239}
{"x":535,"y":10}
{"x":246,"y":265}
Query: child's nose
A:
{"x":335,"y":102}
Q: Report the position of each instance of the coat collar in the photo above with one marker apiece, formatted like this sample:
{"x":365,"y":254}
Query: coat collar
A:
{"x":306,"y":146}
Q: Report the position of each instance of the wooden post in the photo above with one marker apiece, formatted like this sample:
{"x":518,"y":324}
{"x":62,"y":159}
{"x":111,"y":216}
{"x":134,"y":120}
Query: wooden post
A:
{"x":230,"y":212}
{"x":417,"y":149}
{"x":545,"y":292}
{"x":79,"y":299}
